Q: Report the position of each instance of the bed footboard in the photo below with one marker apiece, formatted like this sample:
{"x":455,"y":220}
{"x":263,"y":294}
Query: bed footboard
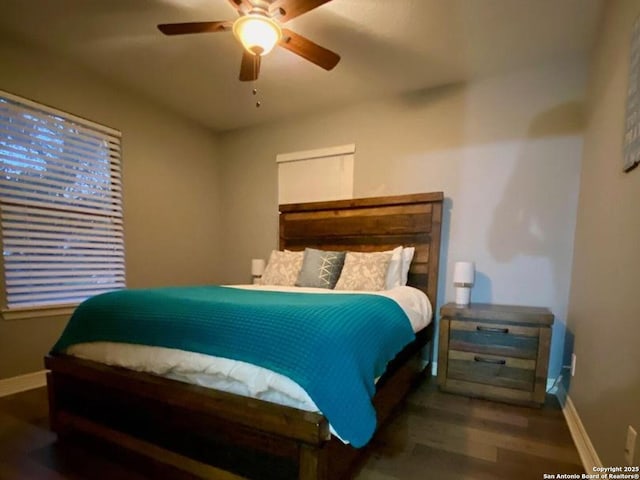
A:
{"x":183,"y":427}
{"x":154,"y":417}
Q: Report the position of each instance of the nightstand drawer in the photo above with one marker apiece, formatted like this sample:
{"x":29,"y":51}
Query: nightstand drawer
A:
{"x":494,"y":339}
{"x":516,"y":373}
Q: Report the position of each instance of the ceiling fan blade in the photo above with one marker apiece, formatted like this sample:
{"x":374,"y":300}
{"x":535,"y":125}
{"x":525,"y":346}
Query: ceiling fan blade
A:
{"x":285,"y":10}
{"x":194,"y":27}
{"x":243,"y":6}
{"x":307,"y":49}
{"x":250,"y":67}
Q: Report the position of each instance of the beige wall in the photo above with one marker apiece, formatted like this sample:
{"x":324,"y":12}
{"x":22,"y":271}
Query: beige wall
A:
{"x":171,"y":194}
{"x":505,"y":150}
{"x":604,"y":312}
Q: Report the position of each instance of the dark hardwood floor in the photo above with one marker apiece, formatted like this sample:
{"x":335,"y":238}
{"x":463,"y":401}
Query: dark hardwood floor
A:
{"x":435,"y":436}
{"x":443,"y":436}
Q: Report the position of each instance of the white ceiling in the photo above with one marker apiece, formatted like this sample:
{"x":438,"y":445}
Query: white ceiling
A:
{"x":387,"y":47}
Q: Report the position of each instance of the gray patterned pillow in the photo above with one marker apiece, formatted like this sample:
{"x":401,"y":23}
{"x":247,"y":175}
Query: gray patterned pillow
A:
{"x":364,"y":271}
{"x":320,"y":268}
{"x":282,"y":268}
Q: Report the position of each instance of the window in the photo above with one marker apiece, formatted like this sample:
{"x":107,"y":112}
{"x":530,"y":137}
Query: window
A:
{"x":60,"y":206}
{"x":316,"y":175}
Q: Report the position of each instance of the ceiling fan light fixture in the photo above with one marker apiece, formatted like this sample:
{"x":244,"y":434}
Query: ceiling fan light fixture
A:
{"x":257,"y":33}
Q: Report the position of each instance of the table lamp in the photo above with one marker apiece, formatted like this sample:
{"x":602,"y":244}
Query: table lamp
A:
{"x":257,"y":269}
{"x":463,"y":277}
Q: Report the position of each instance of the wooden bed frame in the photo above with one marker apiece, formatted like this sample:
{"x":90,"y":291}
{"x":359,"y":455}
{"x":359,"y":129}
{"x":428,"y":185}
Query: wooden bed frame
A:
{"x":197,"y":432}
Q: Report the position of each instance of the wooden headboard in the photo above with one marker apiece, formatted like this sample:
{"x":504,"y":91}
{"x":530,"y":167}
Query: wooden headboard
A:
{"x":369,"y":225}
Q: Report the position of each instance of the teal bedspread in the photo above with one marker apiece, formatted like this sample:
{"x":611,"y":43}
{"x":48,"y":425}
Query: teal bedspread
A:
{"x":333,"y":346}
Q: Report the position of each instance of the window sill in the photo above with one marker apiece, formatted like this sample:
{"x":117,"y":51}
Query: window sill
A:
{"x":38,"y":312}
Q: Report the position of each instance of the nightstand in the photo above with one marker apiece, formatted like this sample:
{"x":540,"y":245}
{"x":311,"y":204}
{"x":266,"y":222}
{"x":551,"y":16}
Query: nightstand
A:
{"x":499,"y":352}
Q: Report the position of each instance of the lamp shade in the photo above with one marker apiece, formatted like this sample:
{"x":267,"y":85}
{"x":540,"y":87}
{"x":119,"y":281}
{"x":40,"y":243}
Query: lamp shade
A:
{"x":464,"y":273}
{"x":257,"y":33}
{"x":257,"y":267}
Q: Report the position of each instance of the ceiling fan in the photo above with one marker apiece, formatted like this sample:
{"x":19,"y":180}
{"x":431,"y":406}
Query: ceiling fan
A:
{"x":259,"y":30}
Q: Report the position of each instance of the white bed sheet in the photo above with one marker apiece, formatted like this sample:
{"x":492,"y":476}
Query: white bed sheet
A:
{"x":234,"y":376}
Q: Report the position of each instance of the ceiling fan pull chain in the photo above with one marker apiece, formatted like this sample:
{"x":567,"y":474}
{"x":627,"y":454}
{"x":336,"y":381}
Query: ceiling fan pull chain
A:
{"x":255,"y":92}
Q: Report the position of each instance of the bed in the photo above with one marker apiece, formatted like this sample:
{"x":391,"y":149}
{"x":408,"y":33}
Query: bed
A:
{"x":204,"y":433}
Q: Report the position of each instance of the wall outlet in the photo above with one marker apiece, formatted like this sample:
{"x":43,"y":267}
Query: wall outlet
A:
{"x":630,"y":446}
{"x":573,"y":364}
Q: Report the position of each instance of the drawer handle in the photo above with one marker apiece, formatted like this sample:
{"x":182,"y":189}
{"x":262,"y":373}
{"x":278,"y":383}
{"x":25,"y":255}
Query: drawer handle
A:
{"x":495,"y":361}
{"x":492,"y":329}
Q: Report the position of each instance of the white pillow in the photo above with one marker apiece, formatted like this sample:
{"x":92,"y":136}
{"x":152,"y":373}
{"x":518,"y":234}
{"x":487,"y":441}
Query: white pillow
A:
{"x":282,"y":268}
{"x":407,"y":257}
{"x":394,"y":272}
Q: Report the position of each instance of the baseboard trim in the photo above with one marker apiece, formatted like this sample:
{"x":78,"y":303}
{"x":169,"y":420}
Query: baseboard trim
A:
{"x":586,"y":450}
{"x":21,"y":383}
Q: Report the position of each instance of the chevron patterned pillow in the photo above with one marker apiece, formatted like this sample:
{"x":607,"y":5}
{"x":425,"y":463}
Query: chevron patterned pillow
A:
{"x":320,"y":268}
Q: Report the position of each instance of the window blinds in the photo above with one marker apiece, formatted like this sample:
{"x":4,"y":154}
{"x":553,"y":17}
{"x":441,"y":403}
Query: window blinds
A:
{"x":60,"y":205}
{"x":316,"y":175}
